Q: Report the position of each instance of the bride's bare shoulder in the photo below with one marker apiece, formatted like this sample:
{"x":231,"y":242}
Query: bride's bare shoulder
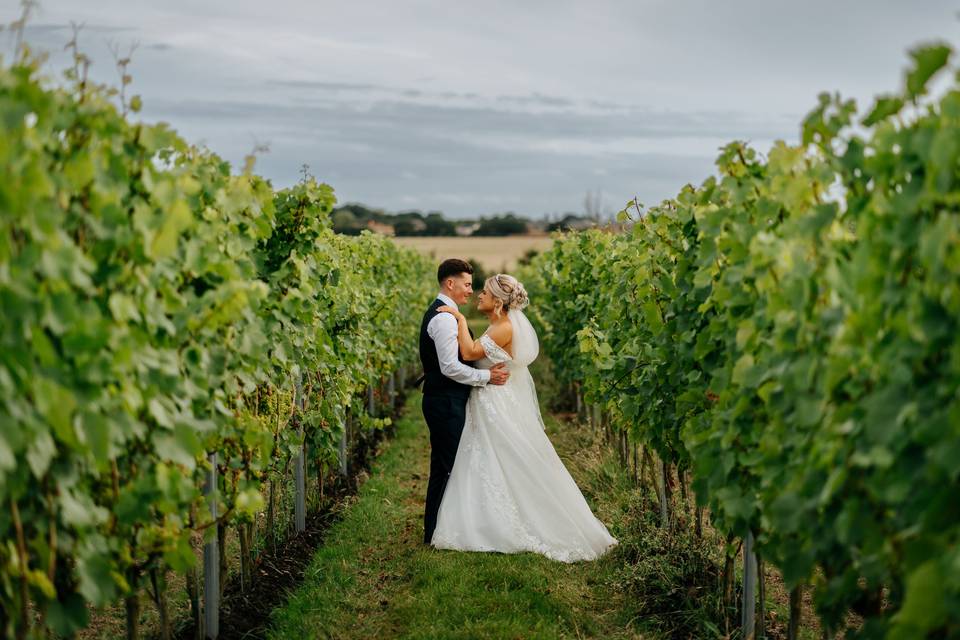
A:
{"x":501,"y":332}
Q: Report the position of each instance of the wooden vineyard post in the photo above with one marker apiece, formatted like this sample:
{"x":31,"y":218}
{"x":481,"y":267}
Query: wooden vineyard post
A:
{"x":762,"y":593}
{"x":392,"y":391}
{"x":371,"y":401}
{"x":661,"y":487}
{"x":211,"y":561}
{"x":299,"y":508}
{"x":342,"y":453}
{"x":748,"y":620}
{"x":299,"y":470}
{"x":796,"y":601}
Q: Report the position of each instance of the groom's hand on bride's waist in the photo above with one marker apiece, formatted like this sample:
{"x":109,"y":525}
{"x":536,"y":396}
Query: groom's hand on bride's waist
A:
{"x":499,"y":373}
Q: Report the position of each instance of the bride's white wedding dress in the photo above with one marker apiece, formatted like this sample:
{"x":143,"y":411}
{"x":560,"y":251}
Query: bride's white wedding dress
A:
{"x":509,"y":491}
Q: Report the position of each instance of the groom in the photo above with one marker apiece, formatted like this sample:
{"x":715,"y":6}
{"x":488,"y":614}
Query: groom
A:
{"x":448,"y":379}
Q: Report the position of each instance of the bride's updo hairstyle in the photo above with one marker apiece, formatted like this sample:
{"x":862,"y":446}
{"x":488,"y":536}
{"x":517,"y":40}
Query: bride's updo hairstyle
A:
{"x":507,"y":291}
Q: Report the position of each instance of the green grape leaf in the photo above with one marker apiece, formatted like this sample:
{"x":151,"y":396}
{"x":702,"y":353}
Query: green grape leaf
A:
{"x":923,"y":604}
{"x":884,"y":107}
{"x":927,"y":61}
{"x":67,"y":614}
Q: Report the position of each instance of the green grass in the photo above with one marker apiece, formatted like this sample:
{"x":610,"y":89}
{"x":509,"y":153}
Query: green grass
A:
{"x":374,"y":578}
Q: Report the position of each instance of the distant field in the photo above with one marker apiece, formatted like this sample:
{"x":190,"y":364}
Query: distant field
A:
{"x":495,"y":254}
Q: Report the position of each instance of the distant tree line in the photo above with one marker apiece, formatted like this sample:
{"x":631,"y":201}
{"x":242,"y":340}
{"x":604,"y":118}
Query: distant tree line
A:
{"x":569,"y":222}
{"x":505,"y":225}
{"x":414,"y":224}
{"x":351,"y":219}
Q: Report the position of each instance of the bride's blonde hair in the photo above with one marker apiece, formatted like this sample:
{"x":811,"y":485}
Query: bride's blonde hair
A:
{"x":508,"y":291}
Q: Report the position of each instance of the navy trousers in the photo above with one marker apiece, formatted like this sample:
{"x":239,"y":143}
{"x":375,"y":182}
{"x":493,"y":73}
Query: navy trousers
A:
{"x":445,"y":416}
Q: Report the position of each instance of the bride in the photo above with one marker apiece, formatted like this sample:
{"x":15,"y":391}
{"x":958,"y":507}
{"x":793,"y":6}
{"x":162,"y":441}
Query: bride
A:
{"x":508,"y":490}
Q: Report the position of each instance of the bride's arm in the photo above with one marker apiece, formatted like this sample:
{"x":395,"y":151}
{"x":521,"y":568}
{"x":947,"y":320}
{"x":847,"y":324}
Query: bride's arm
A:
{"x":470,"y":349}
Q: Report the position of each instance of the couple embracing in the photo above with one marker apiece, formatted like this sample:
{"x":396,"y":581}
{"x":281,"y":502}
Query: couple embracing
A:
{"x":496,"y":482}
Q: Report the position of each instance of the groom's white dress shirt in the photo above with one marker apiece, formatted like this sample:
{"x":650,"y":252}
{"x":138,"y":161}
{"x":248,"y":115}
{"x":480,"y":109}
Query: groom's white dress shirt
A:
{"x":442,"y":329}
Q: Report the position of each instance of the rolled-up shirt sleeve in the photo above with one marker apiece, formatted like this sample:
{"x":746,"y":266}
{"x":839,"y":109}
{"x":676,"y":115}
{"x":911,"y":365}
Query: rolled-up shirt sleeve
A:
{"x":442,"y":329}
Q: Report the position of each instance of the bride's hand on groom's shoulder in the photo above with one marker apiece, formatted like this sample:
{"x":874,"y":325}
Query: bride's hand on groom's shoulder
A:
{"x":448,"y":309}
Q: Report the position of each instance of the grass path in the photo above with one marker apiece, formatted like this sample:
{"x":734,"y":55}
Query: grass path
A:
{"x":374,"y":579}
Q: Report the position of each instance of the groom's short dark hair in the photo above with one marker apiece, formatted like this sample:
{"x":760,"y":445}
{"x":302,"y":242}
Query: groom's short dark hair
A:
{"x":452,"y":267}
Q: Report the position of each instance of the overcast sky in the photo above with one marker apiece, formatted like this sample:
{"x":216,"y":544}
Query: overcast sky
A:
{"x":476,"y":108}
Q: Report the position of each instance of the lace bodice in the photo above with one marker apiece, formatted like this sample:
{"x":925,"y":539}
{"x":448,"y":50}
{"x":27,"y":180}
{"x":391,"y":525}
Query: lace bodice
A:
{"x":495,"y":354}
